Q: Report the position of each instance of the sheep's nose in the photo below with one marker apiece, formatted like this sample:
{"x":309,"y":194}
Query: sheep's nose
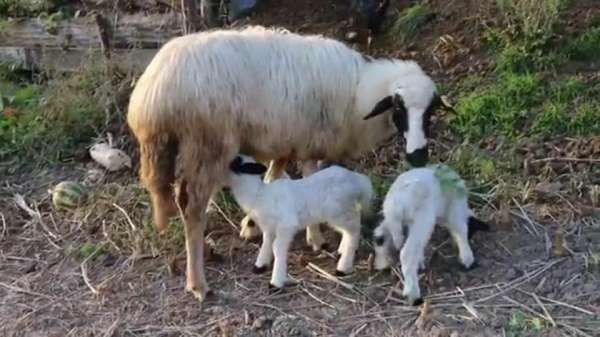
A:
{"x":419,"y":157}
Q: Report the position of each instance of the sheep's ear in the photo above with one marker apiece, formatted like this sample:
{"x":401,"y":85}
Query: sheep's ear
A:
{"x":236,"y":164}
{"x":380,"y":107}
{"x":253,"y":168}
{"x":399,"y":115}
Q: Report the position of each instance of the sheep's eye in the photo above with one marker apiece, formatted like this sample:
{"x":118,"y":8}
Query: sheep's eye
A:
{"x":379,"y":240}
{"x":251,"y":223}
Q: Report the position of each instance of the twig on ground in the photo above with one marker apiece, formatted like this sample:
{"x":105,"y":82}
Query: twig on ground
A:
{"x":520,"y":280}
{"x":84,"y":270}
{"x":133,"y":227}
{"x":220,"y":210}
{"x":548,"y":316}
{"x":24,"y":291}
{"x":567,"y":305}
{"x":526,"y":217}
{"x":4,"y":229}
{"x":579,"y":160}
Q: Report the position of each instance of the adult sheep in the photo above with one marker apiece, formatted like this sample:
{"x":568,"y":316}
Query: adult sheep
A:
{"x":268,"y":93}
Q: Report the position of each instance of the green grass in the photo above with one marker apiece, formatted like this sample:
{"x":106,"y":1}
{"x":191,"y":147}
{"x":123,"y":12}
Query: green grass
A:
{"x":409,"y":22}
{"x":32,"y":8}
{"x":586,"y":47}
{"x":521,"y":324}
{"x":53,"y":119}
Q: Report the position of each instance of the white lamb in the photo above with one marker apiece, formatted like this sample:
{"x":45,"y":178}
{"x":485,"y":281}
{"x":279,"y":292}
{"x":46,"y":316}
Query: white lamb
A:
{"x":283,"y":207}
{"x":416,"y":201}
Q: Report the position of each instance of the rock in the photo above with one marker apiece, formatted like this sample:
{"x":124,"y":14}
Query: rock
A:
{"x":291,"y":326}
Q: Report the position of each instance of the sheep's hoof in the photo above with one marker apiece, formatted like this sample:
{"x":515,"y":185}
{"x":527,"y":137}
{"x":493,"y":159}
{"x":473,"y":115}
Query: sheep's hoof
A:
{"x":417,"y":302}
{"x":259,"y":270}
{"x":215,"y":257}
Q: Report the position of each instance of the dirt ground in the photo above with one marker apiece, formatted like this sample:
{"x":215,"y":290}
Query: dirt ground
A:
{"x":537,"y":274}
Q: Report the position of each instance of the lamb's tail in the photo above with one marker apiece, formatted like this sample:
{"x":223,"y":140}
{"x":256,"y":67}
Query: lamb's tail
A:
{"x":157,"y":172}
{"x":366,"y":197}
{"x":476,"y":225}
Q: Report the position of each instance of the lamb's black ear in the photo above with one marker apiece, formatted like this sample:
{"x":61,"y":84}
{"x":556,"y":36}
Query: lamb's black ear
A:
{"x":380,"y":107}
{"x":399,"y":115}
{"x":236,"y":164}
{"x":253,"y":168}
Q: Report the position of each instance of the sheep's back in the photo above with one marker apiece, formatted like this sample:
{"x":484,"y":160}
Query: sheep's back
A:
{"x":270,"y":87}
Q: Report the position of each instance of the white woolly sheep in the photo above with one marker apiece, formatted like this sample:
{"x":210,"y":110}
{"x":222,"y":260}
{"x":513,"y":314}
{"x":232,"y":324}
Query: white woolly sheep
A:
{"x":283,"y":207}
{"x":269,"y":93}
{"x":416,"y":201}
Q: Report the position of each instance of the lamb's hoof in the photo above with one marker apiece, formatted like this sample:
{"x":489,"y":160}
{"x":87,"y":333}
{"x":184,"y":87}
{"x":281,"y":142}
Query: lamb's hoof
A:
{"x":274,"y":289}
{"x":417,"y":302}
{"x":340,"y":273}
{"x":473,"y":265}
{"x":259,"y":270}
{"x":255,"y":239}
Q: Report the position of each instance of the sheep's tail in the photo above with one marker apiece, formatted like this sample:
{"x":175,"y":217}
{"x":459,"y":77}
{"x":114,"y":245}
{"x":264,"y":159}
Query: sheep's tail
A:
{"x":476,"y":225}
{"x":157,"y":172}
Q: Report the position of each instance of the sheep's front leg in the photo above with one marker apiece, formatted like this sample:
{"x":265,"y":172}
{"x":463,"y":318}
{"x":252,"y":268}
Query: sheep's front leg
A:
{"x":281,"y":246}
{"x":348,"y":247}
{"x":248,"y":228}
{"x":265,"y":254}
{"x":412,"y":254}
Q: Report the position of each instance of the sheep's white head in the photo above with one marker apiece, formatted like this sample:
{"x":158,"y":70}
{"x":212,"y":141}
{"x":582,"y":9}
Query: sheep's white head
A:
{"x":412,"y":105}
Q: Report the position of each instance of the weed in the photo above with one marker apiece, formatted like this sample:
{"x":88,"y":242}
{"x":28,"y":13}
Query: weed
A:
{"x":518,"y":59}
{"x":23,"y":8}
{"x":533,"y":20}
{"x":410,"y":22}
{"x":520,"y":323}
{"x":52,"y":119}
{"x":86,"y":250}
{"x":586,"y":47}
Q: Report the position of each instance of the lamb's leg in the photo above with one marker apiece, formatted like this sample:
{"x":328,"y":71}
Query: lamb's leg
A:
{"x":248,"y":228}
{"x":265,"y":254}
{"x":314,"y":236}
{"x":383,"y":243}
{"x":412,"y":253}
{"x":281,"y":246}
{"x":349,"y":245}
{"x":458,"y":228}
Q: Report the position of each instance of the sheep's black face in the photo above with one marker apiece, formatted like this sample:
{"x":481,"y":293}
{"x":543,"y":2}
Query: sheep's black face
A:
{"x":238,"y":166}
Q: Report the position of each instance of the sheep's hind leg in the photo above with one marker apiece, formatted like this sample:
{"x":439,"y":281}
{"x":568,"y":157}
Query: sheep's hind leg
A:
{"x":248,"y":229}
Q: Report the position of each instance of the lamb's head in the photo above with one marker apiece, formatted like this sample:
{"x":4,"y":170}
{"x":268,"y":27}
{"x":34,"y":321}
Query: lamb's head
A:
{"x":412,"y":98}
{"x":245,"y":165}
